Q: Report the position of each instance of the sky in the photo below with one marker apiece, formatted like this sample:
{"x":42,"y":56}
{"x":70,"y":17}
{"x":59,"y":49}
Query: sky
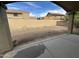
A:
{"x":37,"y":8}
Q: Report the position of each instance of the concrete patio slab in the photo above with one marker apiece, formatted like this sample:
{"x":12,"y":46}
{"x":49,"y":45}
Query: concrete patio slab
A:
{"x":62,"y":46}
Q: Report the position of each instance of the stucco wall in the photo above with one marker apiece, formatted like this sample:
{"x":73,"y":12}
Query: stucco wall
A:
{"x":5,"y":37}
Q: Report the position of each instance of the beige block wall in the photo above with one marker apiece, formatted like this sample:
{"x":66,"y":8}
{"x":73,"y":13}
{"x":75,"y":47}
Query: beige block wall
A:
{"x":16,"y":24}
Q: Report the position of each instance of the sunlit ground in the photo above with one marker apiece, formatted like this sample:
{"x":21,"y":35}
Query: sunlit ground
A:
{"x":30,"y":30}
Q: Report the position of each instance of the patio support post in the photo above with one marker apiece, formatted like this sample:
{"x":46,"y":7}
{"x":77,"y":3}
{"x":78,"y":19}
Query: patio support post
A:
{"x":5,"y":36}
{"x":71,"y":22}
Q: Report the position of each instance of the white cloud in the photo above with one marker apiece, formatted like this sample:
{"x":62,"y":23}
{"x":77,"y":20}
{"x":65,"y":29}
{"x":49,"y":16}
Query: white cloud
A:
{"x":61,"y":11}
{"x":43,"y":14}
{"x":38,"y":15}
{"x":32,"y":15}
{"x":33,"y":5}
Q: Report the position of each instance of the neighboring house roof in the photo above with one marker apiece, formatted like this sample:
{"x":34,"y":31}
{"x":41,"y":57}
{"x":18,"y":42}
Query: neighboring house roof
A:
{"x":15,"y":11}
{"x":55,"y":14}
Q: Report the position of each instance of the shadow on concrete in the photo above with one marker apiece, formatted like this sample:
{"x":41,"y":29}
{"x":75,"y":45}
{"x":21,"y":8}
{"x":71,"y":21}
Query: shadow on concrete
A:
{"x":31,"y":52}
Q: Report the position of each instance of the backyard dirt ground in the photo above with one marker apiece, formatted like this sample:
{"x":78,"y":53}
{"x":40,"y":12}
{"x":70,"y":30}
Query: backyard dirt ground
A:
{"x":32,"y":34}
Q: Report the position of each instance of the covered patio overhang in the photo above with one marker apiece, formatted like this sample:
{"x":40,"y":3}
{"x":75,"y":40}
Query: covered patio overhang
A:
{"x":69,"y":6}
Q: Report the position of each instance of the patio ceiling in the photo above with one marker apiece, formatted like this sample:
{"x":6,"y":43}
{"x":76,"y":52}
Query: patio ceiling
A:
{"x":68,"y":5}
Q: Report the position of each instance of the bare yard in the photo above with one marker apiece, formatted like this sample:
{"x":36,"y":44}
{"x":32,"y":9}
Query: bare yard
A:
{"x":24,"y":31}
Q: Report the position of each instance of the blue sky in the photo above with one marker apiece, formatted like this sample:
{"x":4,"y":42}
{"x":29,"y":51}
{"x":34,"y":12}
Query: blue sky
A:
{"x":36,"y":8}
